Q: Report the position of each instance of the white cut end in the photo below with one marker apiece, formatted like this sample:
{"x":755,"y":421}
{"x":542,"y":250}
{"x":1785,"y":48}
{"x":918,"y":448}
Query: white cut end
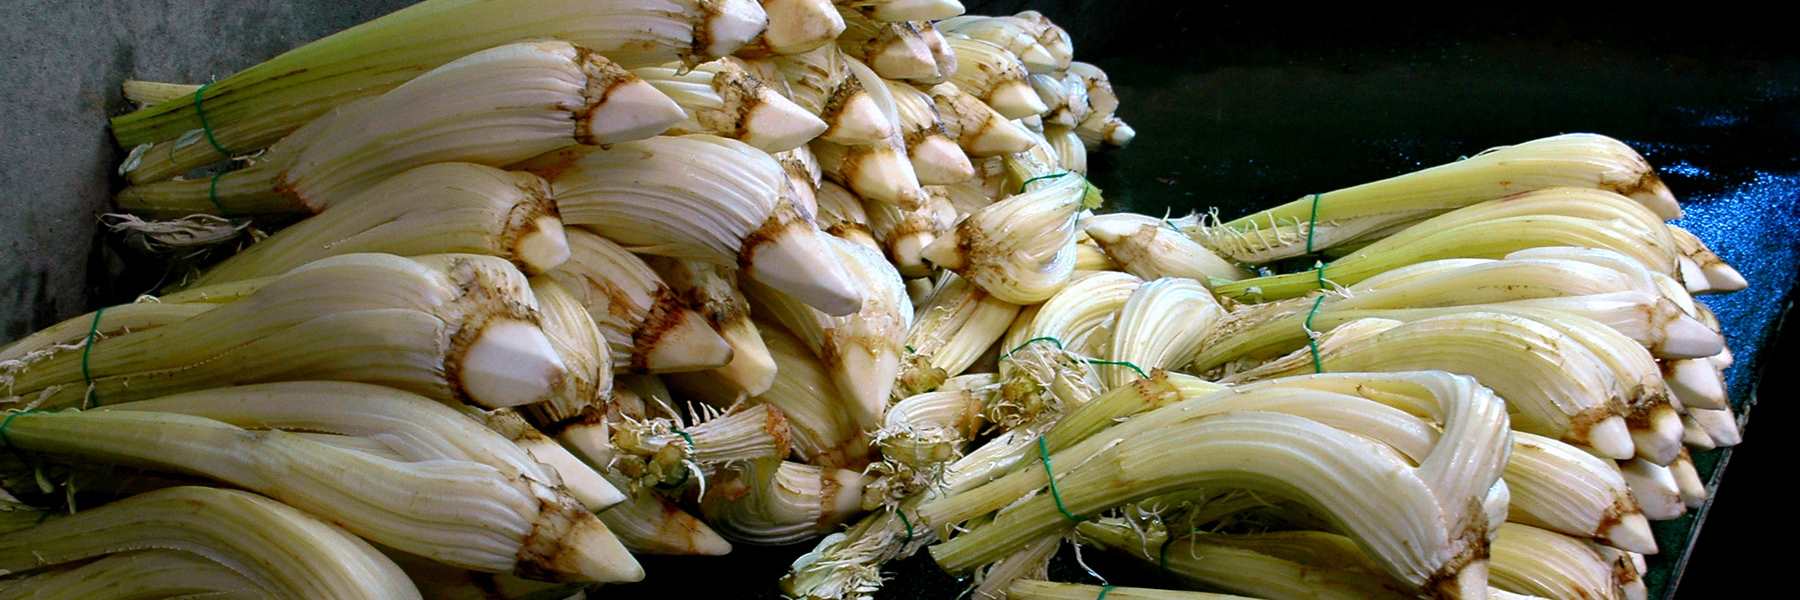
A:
{"x":1657,"y":197}
{"x":585,"y":484}
{"x":1720,"y":425}
{"x":590,"y":552}
{"x":1655,"y":489}
{"x":1121,"y":134}
{"x":938,"y":161}
{"x":1693,"y":490}
{"x":943,"y":252}
{"x":899,"y":59}
{"x":998,"y":136}
{"x":1696,"y":383}
{"x":1722,"y":277}
{"x":859,"y":120}
{"x":1686,"y":337}
{"x":689,"y":344}
{"x":908,"y":251}
{"x":1612,"y":438}
{"x":1016,"y":100}
{"x":1110,"y":231}
{"x":1635,"y":589}
{"x":1038,"y":59}
{"x":800,"y":25}
{"x":1693,"y":436}
{"x":866,"y":379}
{"x":632,"y":110}
{"x":1723,"y":359}
{"x":731,"y":24}
{"x":1470,"y":583}
{"x":776,"y":124}
{"x":1692,"y":276}
{"x":797,"y":262}
{"x":751,"y":369}
{"x":510,"y":363}
{"x":882,"y":174}
{"x":543,"y":248}
{"x":1630,"y":533}
{"x":1660,"y":441}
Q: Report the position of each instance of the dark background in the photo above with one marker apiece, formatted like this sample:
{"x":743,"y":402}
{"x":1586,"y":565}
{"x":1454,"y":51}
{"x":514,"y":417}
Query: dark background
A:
{"x":1236,"y":107}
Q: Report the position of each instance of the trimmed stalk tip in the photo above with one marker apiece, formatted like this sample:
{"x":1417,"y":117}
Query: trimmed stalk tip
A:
{"x":510,"y":363}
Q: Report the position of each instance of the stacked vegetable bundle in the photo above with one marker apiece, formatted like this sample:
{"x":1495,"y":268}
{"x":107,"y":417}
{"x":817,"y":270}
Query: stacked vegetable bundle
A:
{"x":562,"y":281}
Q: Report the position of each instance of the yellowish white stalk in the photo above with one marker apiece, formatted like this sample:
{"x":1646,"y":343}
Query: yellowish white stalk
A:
{"x":1016,"y":35}
{"x":713,"y":291}
{"x":647,"y":522}
{"x":905,"y":233}
{"x":434,"y":209}
{"x":1021,"y":249}
{"x":1687,"y":479}
{"x":583,"y":349}
{"x":820,"y":81}
{"x":929,"y":429}
{"x":1083,"y":314}
{"x":1528,"y":560}
{"x":879,"y":172}
{"x":795,"y":26}
{"x":936,"y":158}
{"x":1287,"y":565}
{"x":841,"y":214}
{"x":647,"y":325}
{"x":1052,"y":36}
{"x":452,"y":327}
{"x":669,"y":453}
{"x":1547,"y":218}
{"x":1070,"y":154}
{"x":802,"y":169}
{"x":894,"y":50}
{"x":1066,"y":94}
{"x":1111,"y":132}
{"x":1030,"y":564}
{"x":1655,"y":489}
{"x":1693,"y":436}
{"x":1161,"y":326}
{"x":257,"y":106}
{"x":72,"y":333}
{"x":463,"y":513}
{"x":1554,"y":385}
{"x":1572,"y":160}
{"x":996,"y":76}
{"x":977,"y":127}
{"x":951,"y":329}
{"x":493,"y":107}
{"x":1089,"y":257}
{"x":774,"y":502}
{"x":1715,"y":275}
{"x":905,"y":10}
{"x":861,"y":350}
{"x":722,"y":98}
{"x":280,"y":550}
{"x":1562,"y":488}
{"x":138,"y":574}
{"x":1147,"y":247}
{"x":1190,"y":445}
{"x":824,"y":433}
{"x":705,"y":198}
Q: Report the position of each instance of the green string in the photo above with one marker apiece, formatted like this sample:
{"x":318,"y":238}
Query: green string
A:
{"x":1312,"y":340}
{"x":1312,"y":223}
{"x":690,"y":439}
{"x":7,"y":422}
{"x":907,"y":523}
{"x":87,"y":349}
{"x":212,"y":193}
{"x":1044,"y":456}
{"x":1091,"y":361}
{"x":200,"y":109}
{"x":684,"y":471}
{"x":1103,"y":590}
{"x":1162,"y":555}
{"x":1027,"y":183}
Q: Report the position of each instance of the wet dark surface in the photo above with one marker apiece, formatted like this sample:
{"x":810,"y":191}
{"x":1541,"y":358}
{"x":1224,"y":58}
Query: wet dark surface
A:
{"x":1242,"y":109}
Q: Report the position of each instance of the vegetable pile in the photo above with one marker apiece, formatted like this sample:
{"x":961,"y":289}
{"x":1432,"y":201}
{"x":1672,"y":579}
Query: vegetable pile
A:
{"x":539,"y":286}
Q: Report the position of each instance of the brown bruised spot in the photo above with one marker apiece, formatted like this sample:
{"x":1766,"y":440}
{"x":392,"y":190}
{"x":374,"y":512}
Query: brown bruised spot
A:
{"x":522,"y":218}
{"x":970,"y":421}
{"x":777,"y":225}
{"x":666,"y":310}
{"x":834,"y":104}
{"x":542,"y":550}
{"x":844,"y":229}
{"x":739,"y":91}
{"x":603,"y":76}
{"x":702,"y":32}
{"x":852,"y":454}
{"x":1622,"y":507}
{"x":775,"y":424}
{"x":828,"y":491}
{"x":1624,"y":572}
{"x":1157,"y":390}
{"x":1648,"y":182}
{"x":1471,"y":545}
{"x":1582,"y":423}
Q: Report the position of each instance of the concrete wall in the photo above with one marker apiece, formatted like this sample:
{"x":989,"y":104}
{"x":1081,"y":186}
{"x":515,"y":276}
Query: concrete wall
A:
{"x":61,"y":63}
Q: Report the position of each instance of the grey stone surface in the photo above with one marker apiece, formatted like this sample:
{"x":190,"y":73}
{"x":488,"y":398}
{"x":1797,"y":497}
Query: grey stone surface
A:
{"x":61,"y":63}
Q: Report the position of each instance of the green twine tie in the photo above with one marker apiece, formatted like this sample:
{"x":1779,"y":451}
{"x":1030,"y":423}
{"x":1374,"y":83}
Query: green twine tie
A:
{"x":206,"y":127}
{"x":1091,"y":361}
{"x":212,"y":193}
{"x":908,"y":523}
{"x":1044,"y":456}
{"x":87,"y":349}
{"x":7,"y":422}
{"x":684,"y":471}
{"x":1103,"y":590}
{"x":1028,"y":182}
{"x":1312,"y":339}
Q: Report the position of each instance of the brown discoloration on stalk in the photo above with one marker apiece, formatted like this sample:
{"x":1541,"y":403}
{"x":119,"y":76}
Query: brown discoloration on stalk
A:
{"x":522,"y":220}
{"x":828,"y":491}
{"x":1613,"y":516}
{"x":543,"y":556}
{"x":1581,"y":424}
{"x":666,"y":311}
{"x":844,"y":229}
{"x":588,"y":416}
{"x":783,"y":221}
{"x":848,"y":89}
{"x":776,"y":426}
{"x":1471,"y":545}
{"x":603,"y":76}
{"x":1638,"y":416}
{"x":1648,"y":183}
{"x":853,"y":454}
